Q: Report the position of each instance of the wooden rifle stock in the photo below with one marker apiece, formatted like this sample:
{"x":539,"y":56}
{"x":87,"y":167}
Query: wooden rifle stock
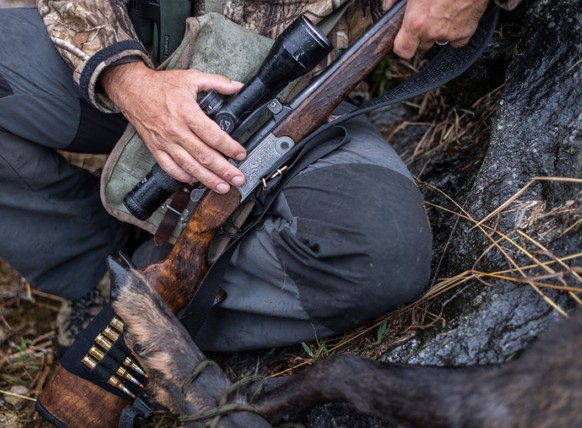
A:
{"x":75,"y":402}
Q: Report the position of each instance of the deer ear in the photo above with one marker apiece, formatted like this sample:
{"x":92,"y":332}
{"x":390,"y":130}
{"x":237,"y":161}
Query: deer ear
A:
{"x":119,"y":273}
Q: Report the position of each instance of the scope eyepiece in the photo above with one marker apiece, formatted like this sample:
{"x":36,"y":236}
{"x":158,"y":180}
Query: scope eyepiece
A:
{"x":150,"y":193}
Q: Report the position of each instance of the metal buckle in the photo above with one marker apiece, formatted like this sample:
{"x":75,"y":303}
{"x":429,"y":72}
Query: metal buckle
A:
{"x":276,"y":174}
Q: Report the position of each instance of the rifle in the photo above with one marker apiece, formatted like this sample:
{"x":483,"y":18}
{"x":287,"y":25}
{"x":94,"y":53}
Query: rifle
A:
{"x":69,"y":399}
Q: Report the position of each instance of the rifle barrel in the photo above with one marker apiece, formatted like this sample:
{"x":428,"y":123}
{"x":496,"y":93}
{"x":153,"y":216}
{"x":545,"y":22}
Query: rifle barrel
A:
{"x":317,"y":101}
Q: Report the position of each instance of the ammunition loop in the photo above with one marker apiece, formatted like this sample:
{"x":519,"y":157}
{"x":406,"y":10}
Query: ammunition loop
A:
{"x":109,"y":361}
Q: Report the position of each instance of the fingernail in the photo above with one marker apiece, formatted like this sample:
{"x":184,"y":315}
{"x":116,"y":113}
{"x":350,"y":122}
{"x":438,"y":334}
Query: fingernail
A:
{"x":238,"y":180}
{"x":236,"y":82}
{"x":241,"y":156}
{"x":222,"y":188}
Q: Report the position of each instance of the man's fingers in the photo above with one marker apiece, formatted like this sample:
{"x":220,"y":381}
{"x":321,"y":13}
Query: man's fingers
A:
{"x":190,"y":159}
{"x":209,"y":169}
{"x":405,"y":44}
{"x":459,"y":43}
{"x":429,"y":21}
{"x":171,"y":168}
{"x":222,"y":84}
{"x":207,"y":130}
{"x":462,"y":37}
{"x":186,"y":143}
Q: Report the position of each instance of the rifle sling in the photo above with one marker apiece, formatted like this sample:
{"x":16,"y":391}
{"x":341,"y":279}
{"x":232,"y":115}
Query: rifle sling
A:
{"x":448,"y":64}
{"x":178,"y":203}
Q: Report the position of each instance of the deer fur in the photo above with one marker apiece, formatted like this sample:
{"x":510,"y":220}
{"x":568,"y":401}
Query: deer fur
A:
{"x":543,"y":388}
{"x":165,"y":349}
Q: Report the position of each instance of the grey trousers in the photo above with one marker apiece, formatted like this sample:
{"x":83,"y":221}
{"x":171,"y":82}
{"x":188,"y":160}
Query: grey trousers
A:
{"x":53,"y":228}
{"x":347,"y":239}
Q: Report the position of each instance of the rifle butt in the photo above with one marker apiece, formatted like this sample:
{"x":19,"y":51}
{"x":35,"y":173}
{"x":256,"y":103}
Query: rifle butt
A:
{"x":71,"y":401}
{"x":92,"y":406}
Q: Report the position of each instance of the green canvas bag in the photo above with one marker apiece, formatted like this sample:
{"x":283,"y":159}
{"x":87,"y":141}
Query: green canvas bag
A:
{"x":211,"y":44}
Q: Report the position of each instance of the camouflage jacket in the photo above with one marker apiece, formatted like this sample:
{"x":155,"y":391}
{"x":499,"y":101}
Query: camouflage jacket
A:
{"x":93,"y":34}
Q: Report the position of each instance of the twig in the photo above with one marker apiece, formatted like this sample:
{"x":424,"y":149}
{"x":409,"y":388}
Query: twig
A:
{"x":42,"y":378}
{"x":12,"y":394}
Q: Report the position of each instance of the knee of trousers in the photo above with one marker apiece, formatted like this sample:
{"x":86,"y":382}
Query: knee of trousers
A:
{"x":54,"y":229}
{"x":361,"y":244}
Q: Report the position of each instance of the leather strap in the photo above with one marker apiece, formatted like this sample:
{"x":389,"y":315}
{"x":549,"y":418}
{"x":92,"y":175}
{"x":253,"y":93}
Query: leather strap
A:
{"x":177,"y":205}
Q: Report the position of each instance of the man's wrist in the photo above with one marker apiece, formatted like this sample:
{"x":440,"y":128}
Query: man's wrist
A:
{"x":118,"y":79}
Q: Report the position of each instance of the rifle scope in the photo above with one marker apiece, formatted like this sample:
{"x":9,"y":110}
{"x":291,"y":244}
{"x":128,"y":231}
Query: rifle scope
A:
{"x":295,"y":52}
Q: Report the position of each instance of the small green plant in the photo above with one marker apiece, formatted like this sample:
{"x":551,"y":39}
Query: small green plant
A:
{"x":22,"y":345}
{"x":380,"y":333}
{"x":380,"y":79}
{"x":320,"y":348}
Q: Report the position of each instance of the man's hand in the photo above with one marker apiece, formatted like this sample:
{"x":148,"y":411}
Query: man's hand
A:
{"x":162,"y":107}
{"x":429,"y":21}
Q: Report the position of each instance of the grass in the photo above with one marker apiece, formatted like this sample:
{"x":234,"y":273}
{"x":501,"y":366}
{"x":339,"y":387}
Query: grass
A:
{"x":558,"y":273}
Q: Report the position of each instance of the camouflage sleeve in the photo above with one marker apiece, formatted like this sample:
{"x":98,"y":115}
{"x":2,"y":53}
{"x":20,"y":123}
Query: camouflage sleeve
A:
{"x":270,"y":18}
{"x":91,"y":35}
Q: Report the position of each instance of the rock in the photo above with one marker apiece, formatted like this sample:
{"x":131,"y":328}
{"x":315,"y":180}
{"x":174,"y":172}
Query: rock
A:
{"x":17,"y":390}
{"x":537,"y":133}
{"x":340,"y":415}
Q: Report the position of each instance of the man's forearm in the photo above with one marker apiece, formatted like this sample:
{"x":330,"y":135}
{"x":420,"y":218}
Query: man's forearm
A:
{"x":91,"y":35}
